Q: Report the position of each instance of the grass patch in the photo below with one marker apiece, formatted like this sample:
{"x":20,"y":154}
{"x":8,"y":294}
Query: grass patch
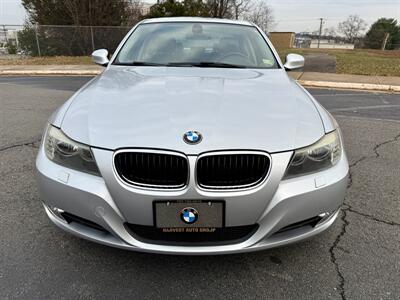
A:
{"x":53,"y":60}
{"x":367,"y":65}
{"x":359,"y":61}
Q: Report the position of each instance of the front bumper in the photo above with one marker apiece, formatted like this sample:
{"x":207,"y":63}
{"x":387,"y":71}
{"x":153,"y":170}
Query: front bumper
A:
{"x":274,"y":205}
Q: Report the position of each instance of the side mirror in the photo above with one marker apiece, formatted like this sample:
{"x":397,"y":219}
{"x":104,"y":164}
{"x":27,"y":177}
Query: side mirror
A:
{"x":100,"y":57}
{"x":294,"y":61}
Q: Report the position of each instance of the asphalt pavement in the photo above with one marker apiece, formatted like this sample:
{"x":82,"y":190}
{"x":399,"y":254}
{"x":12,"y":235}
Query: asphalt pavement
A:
{"x":357,"y":258}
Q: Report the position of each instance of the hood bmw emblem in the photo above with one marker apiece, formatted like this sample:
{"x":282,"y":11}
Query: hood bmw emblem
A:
{"x":192,"y":137}
{"x":189,"y":215}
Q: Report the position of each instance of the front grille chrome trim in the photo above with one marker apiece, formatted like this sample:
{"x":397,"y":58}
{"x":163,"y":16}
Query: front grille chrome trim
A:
{"x":165,"y":188}
{"x":233,"y":188}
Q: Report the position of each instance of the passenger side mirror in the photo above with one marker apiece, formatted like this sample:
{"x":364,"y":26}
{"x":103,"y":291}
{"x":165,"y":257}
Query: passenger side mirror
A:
{"x":294,"y":61}
{"x":100,"y":57}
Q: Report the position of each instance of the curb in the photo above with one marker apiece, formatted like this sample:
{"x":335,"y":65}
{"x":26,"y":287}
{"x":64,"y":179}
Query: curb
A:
{"x":49,"y":73}
{"x":350,"y":85}
{"x":305,"y":83}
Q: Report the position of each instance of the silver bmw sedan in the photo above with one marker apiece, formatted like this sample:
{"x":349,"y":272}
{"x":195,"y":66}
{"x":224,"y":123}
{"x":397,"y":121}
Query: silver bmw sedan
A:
{"x":193,"y":140}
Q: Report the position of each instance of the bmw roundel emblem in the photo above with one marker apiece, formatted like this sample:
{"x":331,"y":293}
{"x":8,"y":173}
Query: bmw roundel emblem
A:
{"x":189,"y":215}
{"x":192,"y":137}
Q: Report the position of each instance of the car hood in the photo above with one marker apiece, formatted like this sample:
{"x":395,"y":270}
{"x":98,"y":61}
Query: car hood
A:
{"x":152,"y":107}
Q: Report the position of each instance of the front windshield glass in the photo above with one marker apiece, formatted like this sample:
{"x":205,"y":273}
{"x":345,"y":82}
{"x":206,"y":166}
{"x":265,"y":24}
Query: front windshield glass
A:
{"x":196,"y":44}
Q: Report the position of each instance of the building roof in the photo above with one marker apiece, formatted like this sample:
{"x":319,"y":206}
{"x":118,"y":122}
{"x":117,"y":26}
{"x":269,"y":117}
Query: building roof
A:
{"x":196,"y":19}
{"x":275,"y":32}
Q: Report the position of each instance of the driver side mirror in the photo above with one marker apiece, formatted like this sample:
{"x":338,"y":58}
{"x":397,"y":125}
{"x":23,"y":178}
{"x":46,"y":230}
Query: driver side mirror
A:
{"x":294,"y":61}
{"x":100,"y":57}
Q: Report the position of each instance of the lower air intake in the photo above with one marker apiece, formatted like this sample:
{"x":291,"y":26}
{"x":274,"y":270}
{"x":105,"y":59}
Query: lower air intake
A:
{"x":221,"y":236}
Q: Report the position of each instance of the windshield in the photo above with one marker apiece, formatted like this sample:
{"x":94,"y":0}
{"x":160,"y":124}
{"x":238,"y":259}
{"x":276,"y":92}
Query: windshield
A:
{"x":196,"y":44}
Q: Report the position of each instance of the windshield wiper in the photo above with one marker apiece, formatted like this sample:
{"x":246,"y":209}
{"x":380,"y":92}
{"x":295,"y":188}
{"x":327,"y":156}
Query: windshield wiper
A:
{"x":146,"y":63}
{"x":205,"y":64}
{"x":202,"y":64}
{"x":142,"y":63}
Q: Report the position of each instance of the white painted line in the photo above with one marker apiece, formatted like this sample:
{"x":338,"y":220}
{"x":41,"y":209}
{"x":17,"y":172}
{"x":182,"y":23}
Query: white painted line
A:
{"x":359,"y":94}
{"x":366,"y":118}
{"x":351,"y":85}
{"x":364,"y":107}
{"x":49,"y":72}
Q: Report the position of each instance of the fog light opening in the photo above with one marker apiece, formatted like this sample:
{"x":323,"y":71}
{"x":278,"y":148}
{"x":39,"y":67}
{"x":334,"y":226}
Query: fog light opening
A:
{"x":326,"y":216}
{"x":57,"y":212}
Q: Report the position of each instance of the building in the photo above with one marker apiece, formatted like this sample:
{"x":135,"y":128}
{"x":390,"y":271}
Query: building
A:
{"x":302,"y":42}
{"x":330,"y":44}
{"x":282,"y":39}
{"x":8,"y":36}
{"x":310,"y":40}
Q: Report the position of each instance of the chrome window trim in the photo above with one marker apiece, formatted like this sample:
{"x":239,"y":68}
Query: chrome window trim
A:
{"x":237,"y":188}
{"x":165,"y":188}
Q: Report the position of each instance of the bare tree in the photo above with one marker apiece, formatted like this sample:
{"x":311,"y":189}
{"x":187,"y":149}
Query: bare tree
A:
{"x":219,"y":8}
{"x":352,"y":27}
{"x":330,"y":32}
{"x":262,"y":15}
{"x":135,"y":12}
{"x":240,"y":7}
{"x":97,"y":12}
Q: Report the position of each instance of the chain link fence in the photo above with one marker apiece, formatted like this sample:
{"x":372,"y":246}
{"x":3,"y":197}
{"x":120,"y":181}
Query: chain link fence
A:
{"x":54,"y":40}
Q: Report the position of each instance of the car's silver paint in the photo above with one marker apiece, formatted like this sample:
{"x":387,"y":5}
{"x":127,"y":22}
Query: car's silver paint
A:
{"x":110,"y":204}
{"x":57,"y":116}
{"x":196,"y":19}
{"x":329,"y":122}
{"x":243,"y":207}
{"x":154,"y":106}
{"x":234,"y":109}
{"x":100,"y":57}
{"x":294,"y":61}
{"x":267,"y":243}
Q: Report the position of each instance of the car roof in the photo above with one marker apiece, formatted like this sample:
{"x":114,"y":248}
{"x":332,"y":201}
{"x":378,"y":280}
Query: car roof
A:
{"x":195,"y":19}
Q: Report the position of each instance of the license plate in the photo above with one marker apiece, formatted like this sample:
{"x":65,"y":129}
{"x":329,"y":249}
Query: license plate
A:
{"x":184,"y":214}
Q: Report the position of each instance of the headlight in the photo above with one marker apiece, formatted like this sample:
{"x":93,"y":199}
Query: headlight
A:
{"x":322,"y":155}
{"x":68,"y":153}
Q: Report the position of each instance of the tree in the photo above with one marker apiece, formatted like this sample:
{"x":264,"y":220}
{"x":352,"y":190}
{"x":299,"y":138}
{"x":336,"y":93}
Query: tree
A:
{"x":167,"y":8}
{"x":352,"y":28}
{"x":262,"y":15}
{"x":79,"y":12}
{"x":220,"y":8}
{"x":27,"y":40}
{"x":135,"y":12}
{"x":196,"y":8}
{"x":375,"y":36}
{"x":175,"y":8}
{"x":49,"y":45}
{"x":200,"y":8}
{"x":193,"y":8}
{"x":240,"y":7}
{"x":11,"y":47}
{"x":80,"y":39}
{"x":329,"y":32}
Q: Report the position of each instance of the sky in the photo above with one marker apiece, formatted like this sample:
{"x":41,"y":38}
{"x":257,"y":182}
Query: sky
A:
{"x":290,"y":15}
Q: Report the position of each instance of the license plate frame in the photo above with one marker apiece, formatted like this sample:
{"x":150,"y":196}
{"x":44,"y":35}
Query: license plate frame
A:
{"x":202,"y":206}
